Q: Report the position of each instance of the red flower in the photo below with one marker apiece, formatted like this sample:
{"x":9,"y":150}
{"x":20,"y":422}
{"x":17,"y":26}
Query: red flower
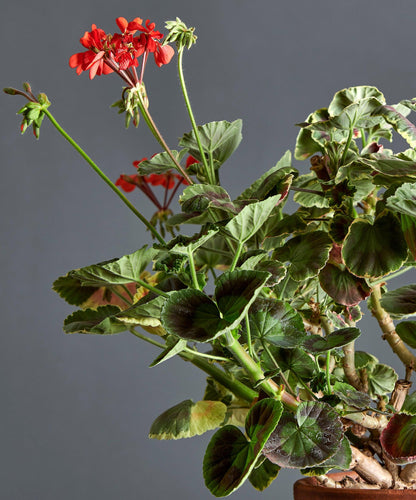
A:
{"x":127,"y":182}
{"x":167,"y":180}
{"x":190,"y":161}
{"x":162,"y":53}
{"x":93,"y":58}
{"x":118,"y":52}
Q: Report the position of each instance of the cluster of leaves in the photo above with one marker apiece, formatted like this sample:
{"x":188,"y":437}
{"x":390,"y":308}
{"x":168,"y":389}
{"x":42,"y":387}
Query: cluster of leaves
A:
{"x":288,"y":288}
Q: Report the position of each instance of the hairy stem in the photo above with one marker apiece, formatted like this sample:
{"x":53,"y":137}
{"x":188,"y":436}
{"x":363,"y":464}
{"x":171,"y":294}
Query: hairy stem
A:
{"x":192,"y":118}
{"x":103,"y":176}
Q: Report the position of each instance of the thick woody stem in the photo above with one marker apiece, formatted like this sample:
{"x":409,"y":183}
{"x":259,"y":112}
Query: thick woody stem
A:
{"x":389,"y":331}
{"x":370,"y":470}
{"x":349,"y":366}
{"x":408,"y":473}
{"x":399,"y":394}
{"x":368,"y":421}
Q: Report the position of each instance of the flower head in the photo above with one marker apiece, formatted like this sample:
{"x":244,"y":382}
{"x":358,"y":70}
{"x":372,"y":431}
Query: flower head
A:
{"x":119,"y":52}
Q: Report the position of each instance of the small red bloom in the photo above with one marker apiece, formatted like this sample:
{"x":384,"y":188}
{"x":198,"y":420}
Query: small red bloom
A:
{"x":127,"y":182}
{"x":119,"y":52}
{"x":190,"y":161}
{"x":166,"y":180}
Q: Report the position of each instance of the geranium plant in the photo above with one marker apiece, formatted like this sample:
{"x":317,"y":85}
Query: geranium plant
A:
{"x":267,"y":303}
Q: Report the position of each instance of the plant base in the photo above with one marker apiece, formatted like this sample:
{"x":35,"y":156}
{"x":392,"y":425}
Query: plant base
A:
{"x":310,"y":488}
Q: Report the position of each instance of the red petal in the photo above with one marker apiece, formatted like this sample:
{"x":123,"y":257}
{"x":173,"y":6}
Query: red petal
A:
{"x":163,"y":54}
{"x":122,"y":24}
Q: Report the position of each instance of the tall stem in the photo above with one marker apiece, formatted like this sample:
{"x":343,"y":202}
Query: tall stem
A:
{"x":158,"y":136}
{"x":104,"y":177}
{"x":191,"y":116}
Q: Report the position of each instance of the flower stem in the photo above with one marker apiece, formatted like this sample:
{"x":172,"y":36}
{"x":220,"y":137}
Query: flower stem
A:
{"x":347,"y":146}
{"x":192,"y":118}
{"x":193,"y":270}
{"x":103,"y":176}
{"x":158,"y":136}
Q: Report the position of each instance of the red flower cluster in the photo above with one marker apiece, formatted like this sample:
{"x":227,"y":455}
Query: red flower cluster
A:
{"x":168,"y":180}
{"x":120,"y":52}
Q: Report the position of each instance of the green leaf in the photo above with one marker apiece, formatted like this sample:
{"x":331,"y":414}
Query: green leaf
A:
{"x":381,"y":380}
{"x":198,"y":198}
{"x":317,"y":344}
{"x":235,"y":291}
{"x":408,"y":225}
{"x":307,"y":199}
{"x":400,"y":123}
{"x":306,"y":254}
{"x":374,"y":250}
{"x":160,"y":163}
{"x":400,"y":302}
{"x":191,"y":315}
{"x":71,"y":289}
{"x":219,"y":139}
{"x":358,"y":114}
{"x":251,"y":218}
{"x":231,"y":456}
{"x":404,"y":199}
{"x":276,"y":322}
{"x":342,"y":286}
{"x":101,"y":321}
{"x":406,"y":330}
{"x":307,"y":142}
{"x":351,"y":95}
{"x":261,"y":187}
{"x":409,"y":405}
{"x":182,"y":245}
{"x":308,"y":438}
{"x":177,"y":347}
{"x":394,"y":167}
{"x":350,"y":396}
{"x":294,"y":360}
{"x":116,"y":272}
{"x":188,"y":419}
{"x":341,"y":460}
{"x":262,"y":477}
{"x":398,"y":439}
{"x":363,"y":359}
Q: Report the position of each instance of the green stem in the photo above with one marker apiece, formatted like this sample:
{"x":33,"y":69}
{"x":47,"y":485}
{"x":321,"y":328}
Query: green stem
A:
{"x":237,"y":255}
{"x":276,"y":365}
{"x":158,"y":136}
{"x":120,"y":296}
{"x":193,"y":270}
{"x":363,"y":138}
{"x":191,"y":116}
{"x":248,"y":331}
{"x":103,"y":176}
{"x":256,"y":374}
{"x":327,"y":372}
{"x":347,"y":146}
{"x":204,"y":355}
{"x":124,"y":287}
{"x":151,"y":288}
{"x":392,"y":275}
{"x":235,"y":386}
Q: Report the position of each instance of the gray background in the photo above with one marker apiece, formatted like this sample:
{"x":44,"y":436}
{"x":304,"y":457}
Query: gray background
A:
{"x":76,"y":410}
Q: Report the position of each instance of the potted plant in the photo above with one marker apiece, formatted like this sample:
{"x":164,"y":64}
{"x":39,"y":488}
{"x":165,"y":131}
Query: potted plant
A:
{"x":267,"y":303}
